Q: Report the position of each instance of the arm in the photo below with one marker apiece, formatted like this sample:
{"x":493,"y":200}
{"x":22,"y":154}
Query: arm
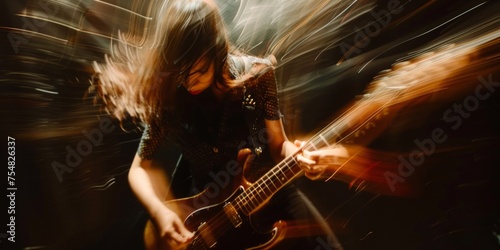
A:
{"x":314,"y":163}
{"x":279,"y":144}
{"x":149,"y":184}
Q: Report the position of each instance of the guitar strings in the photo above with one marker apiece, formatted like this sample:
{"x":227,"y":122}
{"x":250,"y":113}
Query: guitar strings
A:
{"x":220,"y":223}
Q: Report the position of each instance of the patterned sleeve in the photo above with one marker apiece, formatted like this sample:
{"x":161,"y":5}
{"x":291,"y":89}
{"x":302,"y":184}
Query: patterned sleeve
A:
{"x":269,"y":88}
{"x":151,"y":140}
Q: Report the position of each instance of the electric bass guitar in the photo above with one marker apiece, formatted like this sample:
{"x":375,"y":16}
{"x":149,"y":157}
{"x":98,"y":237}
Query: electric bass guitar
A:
{"x":221,"y":217}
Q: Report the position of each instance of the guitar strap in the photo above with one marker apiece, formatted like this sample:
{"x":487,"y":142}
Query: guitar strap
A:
{"x":250,"y":117}
{"x":256,"y":67}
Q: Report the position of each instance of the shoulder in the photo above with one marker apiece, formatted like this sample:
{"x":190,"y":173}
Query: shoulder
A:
{"x":245,"y":66}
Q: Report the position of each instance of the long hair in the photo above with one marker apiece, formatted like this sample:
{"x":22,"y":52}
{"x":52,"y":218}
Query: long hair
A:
{"x":141,"y":81}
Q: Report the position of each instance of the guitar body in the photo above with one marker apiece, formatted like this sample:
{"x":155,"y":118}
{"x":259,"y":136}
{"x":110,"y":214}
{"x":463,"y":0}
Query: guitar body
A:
{"x":243,"y":235}
{"x":216,"y":224}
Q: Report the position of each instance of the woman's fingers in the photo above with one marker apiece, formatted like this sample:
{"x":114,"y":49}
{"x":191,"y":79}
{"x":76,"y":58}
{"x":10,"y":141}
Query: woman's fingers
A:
{"x":315,"y":163}
{"x":183,"y":232}
{"x":172,"y":230}
{"x":328,"y":156}
{"x":178,"y":238}
{"x":298,"y":143}
{"x":305,"y":159}
{"x":180,"y":233}
{"x":312,"y":170}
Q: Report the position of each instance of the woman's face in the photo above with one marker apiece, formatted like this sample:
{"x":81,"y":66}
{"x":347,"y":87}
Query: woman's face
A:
{"x":200,"y":77}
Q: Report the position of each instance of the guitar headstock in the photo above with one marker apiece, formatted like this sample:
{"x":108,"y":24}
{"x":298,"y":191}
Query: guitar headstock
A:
{"x":427,"y":73}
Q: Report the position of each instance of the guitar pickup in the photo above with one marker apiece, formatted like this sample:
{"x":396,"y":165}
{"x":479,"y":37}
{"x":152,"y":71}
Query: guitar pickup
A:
{"x":233,"y":215}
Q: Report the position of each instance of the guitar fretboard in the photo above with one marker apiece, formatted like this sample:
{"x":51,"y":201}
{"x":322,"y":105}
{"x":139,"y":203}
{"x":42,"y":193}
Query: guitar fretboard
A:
{"x":283,"y":173}
{"x":355,"y":119}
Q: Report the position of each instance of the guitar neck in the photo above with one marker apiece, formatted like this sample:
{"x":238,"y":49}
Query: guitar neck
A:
{"x":392,"y":89}
{"x":288,"y":169}
{"x":266,"y":186}
{"x":281,"y":174}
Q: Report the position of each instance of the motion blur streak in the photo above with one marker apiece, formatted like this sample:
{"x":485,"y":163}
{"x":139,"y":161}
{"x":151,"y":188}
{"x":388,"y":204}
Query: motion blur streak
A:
{"x":435,"y":78}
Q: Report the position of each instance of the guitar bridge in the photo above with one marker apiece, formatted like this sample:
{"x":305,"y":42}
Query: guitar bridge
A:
{"x":233,"y":215}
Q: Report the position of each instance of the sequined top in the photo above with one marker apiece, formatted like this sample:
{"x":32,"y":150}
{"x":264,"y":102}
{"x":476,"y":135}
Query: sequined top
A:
{"x":210,"y":133}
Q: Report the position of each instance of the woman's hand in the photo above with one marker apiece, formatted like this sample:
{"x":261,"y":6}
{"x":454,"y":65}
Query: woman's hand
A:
{"x":170,"y":228}
{"x":315,"y":163}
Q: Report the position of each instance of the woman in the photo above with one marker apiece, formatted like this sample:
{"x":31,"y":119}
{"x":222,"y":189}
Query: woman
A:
{"x":189,"y":87}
